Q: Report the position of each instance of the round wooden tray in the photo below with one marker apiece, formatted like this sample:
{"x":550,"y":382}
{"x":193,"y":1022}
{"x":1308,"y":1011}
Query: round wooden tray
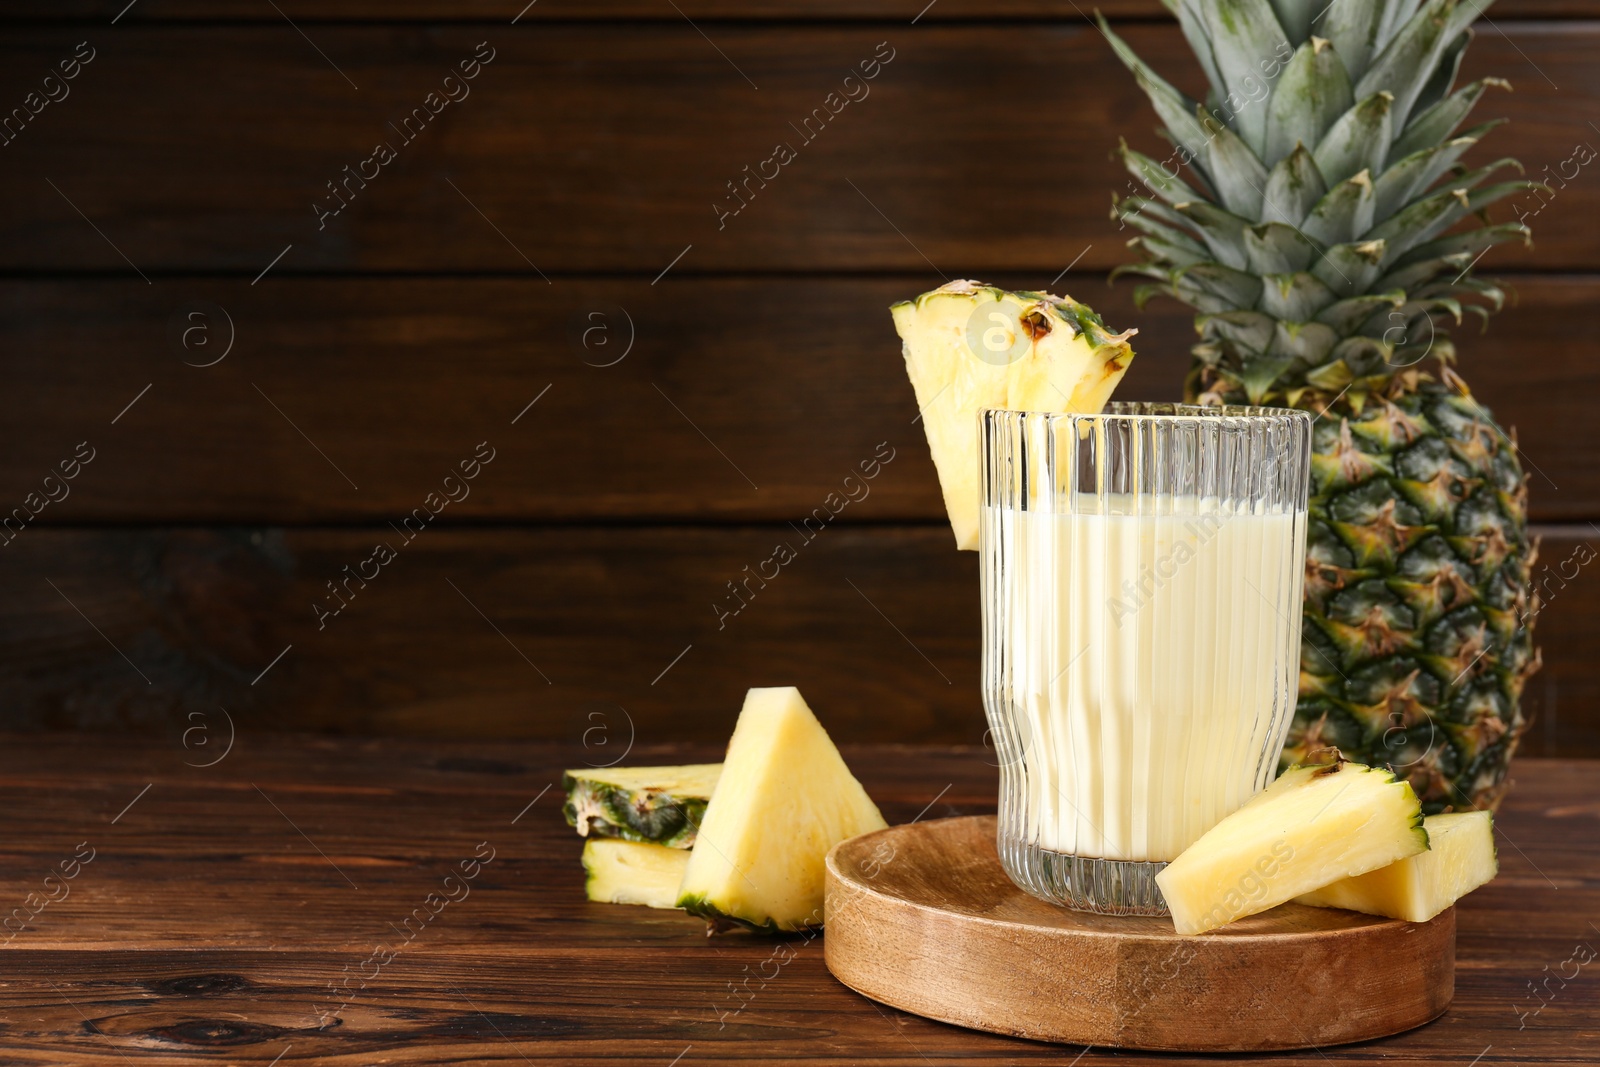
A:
{"x":923,"y":917}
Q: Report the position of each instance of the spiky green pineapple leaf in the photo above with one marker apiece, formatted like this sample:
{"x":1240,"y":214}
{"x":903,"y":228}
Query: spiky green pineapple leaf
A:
{"x":1157,"y":226}
{"x":1274,"y":248}
{"x":1484,"y":288}
{"x":1251,"y":330}
{"x":1396,"y":13}
{"x":1213,"y":287}
{"x":1439,"y":121}
{"x":1417,"y":275}
{"x":1350,"y":268}
{"x":1347,"y":316}
{"x":1145,"y":269}
{"x":1147,"y":292}
{"x":1244,"y":33}
{"x":1296,"y":16}
{"x":1408,"y":61}
{"x":1306,"y":342}
{"x":1479,"y":199}
{"x":1294,"y":297}
{"x":1344,"y":214}
{"x":1312,"y":92}
{"x":1165,"y":184}
{"x":1222,"y":231}
{"x":1469,"y":243}
{"x":1351,"y":26}
{"x":1458,"y":301}
{"x":1171,"y":254}
{"x":1444,"y":74}
{"x":1364,"y":355}
{"x":1130,"y":208}
{"x":1259,"y":373}
{"x":1482,"y":313}
{"x":1294,"y":187}
{"x":1410,"y":226}
{"x":1333,"y":375}
{"x":1474,"y":178}
{"x":1192,"y":22}
{"x":1235,"y":171}
{"x":1170,"y":246}
{"x":1176,"y":110}
{"x":1412,"y":312}
{"x":1358,"y":142}
{"x":1412,"y":174}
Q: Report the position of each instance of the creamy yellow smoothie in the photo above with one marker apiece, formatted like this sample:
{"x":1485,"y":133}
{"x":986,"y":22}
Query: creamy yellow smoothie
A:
{"x":1149,"y":665}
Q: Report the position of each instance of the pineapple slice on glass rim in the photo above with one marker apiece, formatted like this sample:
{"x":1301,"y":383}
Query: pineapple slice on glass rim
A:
{"x":970,"y":346}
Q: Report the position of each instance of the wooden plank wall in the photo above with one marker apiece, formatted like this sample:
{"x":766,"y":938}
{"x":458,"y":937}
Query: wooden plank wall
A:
{"x":268,"y":387}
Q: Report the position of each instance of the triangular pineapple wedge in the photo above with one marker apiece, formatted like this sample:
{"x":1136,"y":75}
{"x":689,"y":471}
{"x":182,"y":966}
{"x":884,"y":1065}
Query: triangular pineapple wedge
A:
{"x":785,"y":798}
{"x":970,"y":346}
{"x":1460,"y":858}
{"x":1313,"y":826}
{"x":629,"y":872}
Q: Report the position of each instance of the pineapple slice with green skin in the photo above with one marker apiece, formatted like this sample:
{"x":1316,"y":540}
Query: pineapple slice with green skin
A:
{"x":1313,"y":826}
{"x":1460,"y":858}
{"x":657,"y":805}
{"x":970,"y":346}
{"x":785,"y":798}
{"x":628,"y":872}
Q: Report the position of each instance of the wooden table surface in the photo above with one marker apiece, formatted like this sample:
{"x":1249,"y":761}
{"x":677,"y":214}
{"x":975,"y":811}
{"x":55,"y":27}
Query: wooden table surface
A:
{"x":257,"y":910}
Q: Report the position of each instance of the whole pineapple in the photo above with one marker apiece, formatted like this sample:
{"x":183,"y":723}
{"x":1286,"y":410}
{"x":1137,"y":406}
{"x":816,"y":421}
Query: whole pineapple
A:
{"x":1300,"y":215}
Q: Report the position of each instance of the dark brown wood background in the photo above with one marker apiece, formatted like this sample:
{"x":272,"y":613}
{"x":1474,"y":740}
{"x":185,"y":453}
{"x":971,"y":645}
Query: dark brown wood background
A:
{"x":571,"y":595}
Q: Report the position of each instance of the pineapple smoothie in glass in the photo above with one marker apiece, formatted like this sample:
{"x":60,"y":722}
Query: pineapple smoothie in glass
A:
{"x":1142,"y":574}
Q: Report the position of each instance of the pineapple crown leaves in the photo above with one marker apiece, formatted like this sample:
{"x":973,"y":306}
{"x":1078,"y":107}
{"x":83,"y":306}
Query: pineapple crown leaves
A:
{"x":1308,"y":207}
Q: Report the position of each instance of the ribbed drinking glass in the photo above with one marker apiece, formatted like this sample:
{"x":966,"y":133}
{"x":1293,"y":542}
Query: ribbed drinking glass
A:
{"x":1142,"y":573}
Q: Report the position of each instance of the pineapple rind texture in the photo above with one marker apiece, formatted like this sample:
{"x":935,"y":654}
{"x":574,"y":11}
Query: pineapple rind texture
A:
{"x":784,"y":799}
{"x":630,"y":872}
{"x":1316,"y":824}
{"x":656,"y":805}
{"x":1314,"y":231}
{"x":1461,"y":857}
{"x":1418,"y":631}
{"x":699,"y":904}
{"x":1048,"y":353}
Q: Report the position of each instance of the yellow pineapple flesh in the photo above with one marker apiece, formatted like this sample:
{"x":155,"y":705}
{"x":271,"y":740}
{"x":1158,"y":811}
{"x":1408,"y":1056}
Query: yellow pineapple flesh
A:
{"x":784,"y":799}
{"x":970,"y":346}
{"x":1314,"y":825}
{"x":1460,"y":858}
{"x":630,"y":872}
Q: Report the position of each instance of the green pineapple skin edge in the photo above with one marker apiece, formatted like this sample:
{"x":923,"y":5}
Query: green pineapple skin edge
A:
{"x":649,"y":805}
{"x":698,"y":905}
{"x":1314,"y":231}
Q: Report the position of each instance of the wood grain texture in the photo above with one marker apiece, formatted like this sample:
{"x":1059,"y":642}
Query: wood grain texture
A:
{"x":605,"y":148}
{"x":192,"y":149}
{"x":503,"y":11}
{"x":879,"y":626}
{"x":924,"y":918}
{"x":212,"y":920}
{"x":791,"y":383}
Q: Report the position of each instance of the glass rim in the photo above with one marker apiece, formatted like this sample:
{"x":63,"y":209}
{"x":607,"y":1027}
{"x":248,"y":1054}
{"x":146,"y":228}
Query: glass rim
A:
{"x":1179,"y":413}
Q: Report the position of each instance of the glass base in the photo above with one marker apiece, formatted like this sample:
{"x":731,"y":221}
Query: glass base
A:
{"x":1082,"y":883}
